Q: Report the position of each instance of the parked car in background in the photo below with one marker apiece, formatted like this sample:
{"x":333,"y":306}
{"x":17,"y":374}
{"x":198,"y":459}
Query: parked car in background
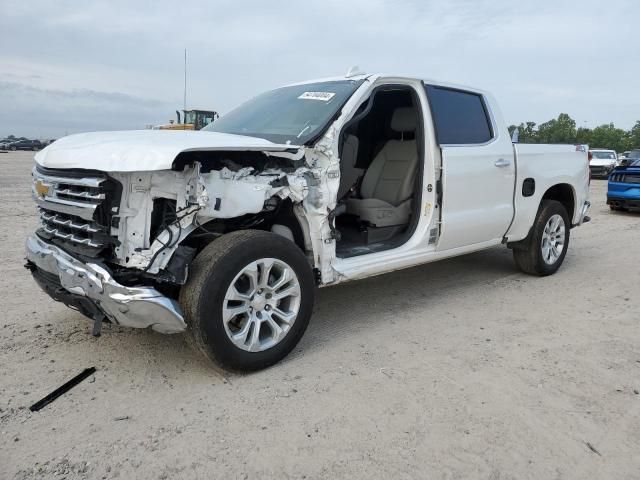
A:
{"x":5,"y":142}
{"x":623,"y":191}
{"x":629,"y":157}
{"x":602,"y":162}
{"x":25,"y":145}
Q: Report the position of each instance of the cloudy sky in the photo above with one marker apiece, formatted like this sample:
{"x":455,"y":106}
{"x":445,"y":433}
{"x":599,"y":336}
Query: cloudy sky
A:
{"x":69,"y":66}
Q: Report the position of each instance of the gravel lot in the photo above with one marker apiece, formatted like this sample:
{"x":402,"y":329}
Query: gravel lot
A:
{"x":459,"y":369}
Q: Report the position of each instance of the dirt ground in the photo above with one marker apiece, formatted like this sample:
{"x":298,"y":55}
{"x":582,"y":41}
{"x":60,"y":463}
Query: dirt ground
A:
{"x":459,"y":369}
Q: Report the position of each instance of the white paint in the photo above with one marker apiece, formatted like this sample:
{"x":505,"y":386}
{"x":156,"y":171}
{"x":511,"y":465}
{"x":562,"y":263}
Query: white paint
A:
{"x":482,"y":202}
{"x":477,"y":194}
{"x":143,"y":150}
{"x":549,"y":165}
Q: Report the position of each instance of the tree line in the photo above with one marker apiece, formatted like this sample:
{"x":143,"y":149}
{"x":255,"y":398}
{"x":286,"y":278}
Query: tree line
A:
{"x":563,"y":130}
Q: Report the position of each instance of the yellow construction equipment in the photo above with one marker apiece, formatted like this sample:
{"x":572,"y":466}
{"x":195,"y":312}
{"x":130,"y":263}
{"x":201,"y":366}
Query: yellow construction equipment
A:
{"x":193,"y":120}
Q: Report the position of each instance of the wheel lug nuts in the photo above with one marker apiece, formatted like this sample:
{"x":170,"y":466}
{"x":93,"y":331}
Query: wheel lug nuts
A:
{"x":267,"y":307}
{"x":268,"y":295}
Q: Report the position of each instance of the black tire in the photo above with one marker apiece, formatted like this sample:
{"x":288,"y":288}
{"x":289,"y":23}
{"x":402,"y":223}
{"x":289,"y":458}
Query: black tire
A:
{"x":210,"y":275}
{"x":528,"y":253}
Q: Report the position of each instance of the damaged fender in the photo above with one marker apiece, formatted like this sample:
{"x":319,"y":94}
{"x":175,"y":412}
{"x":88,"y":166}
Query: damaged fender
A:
{"x":217,"y":194}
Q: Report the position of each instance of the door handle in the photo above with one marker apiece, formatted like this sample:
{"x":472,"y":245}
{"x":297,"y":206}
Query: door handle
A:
{"x":501,"y":162}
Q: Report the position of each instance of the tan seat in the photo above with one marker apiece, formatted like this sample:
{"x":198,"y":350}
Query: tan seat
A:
{"x":387,"y":186}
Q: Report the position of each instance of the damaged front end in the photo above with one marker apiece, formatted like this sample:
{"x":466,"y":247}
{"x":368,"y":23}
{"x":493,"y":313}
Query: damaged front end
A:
{"x":117,"y":245}
{"x":91,"y":289}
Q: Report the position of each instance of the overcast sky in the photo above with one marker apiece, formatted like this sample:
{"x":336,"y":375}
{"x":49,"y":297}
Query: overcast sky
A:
{"x":69,"y":66}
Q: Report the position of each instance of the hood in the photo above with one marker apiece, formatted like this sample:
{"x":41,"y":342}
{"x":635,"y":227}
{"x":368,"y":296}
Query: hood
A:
{"x":143,"y":150}
{"x":602,"y":162}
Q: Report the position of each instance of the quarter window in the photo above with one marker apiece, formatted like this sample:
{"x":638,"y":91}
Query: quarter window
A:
{"x":460,"y":117}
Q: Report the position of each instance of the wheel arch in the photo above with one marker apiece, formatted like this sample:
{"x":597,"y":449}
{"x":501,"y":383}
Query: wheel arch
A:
{"x":282,"y":216}
{"x":563,"y":193}
{"x":527,"y":210}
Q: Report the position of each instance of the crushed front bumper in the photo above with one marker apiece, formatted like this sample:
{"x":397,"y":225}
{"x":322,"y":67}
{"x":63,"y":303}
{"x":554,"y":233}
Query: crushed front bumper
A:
{"x":92,"y":290}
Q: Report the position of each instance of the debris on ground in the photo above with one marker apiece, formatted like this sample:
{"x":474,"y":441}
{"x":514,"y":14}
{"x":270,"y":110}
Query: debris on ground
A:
{"x":63,"y":389}
{"x":592,"y":448}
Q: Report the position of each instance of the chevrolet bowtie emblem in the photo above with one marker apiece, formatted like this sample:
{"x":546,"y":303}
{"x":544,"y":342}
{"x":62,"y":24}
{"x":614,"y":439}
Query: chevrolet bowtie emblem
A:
{"x":42,"y":189}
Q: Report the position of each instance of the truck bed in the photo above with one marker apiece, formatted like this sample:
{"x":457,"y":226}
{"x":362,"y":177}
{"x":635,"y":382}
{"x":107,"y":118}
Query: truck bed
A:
{"x":547,"y":165}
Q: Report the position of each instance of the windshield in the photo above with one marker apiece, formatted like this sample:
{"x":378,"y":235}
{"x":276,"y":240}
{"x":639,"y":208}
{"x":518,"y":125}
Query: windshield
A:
{"x":294,"y":114}
{"x":635,"y":154}
{"x":604,"y":155}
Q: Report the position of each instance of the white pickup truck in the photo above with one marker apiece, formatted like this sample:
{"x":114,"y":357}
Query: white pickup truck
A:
{"x":226,"y":232}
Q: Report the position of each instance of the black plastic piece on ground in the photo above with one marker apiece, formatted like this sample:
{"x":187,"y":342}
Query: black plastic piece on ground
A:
{"x":586,"y":219}
{"x":63,"y":389}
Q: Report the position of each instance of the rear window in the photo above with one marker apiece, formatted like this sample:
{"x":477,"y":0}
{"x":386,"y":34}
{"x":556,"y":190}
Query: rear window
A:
{"x":460,"y":117}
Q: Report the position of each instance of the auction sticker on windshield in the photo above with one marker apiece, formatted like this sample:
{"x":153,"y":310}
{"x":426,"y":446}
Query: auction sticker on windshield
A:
{"x":322,"y":96}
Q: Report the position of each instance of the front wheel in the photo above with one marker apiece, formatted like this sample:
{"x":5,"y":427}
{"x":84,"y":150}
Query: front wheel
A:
{"x":248,"y":299}
{"x":544,"y":250}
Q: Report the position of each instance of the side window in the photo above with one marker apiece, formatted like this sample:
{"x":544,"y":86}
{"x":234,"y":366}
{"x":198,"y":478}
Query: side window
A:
{"x":460,"y":117}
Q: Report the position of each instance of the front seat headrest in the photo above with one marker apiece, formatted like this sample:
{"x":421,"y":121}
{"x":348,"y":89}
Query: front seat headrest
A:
{"x":403,"y":119}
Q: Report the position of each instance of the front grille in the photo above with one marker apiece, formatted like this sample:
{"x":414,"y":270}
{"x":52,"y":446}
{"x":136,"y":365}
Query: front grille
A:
{"x":625,"y":178}
{"x":74,"y":229}
{"x":75,"y":209}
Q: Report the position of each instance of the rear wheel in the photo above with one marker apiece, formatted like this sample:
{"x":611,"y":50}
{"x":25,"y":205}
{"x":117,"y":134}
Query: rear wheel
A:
{"x":544,"y":250}
{"x":248,"y":299}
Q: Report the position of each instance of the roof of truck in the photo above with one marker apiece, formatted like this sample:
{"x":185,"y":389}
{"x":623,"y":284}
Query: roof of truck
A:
{"x":375,"y":76}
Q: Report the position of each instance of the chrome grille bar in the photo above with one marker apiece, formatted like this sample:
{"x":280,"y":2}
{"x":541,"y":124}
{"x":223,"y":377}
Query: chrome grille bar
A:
{"x":68,"y":208}
{"x":78,"y":209}
{"x":58,"y":220}
{"x":72,"y":237}
{"x":83,"y":195}
{"x":68,"y":195}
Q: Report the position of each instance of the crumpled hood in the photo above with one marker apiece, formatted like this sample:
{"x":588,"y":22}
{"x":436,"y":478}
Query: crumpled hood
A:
{"x":143,"y":150}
